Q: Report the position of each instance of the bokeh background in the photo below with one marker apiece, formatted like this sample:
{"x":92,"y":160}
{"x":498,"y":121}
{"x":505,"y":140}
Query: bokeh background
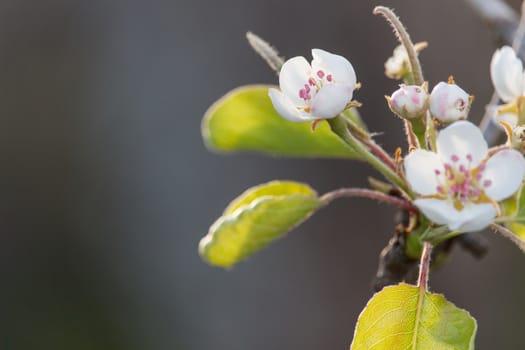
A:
{"x":106,"y":187}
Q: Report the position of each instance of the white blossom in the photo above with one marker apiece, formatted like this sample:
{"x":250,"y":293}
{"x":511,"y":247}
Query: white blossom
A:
{"x":321,"y":90}
{"x":506,"y":71}
{"x":397,"y":65}
{"x":449,"y":102}
{"x":508,"y":77}
{"x":460,"y":185}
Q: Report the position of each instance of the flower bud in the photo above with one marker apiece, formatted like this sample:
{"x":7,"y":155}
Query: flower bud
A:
{"x":449,"y":102}
{"x":409,"y":101}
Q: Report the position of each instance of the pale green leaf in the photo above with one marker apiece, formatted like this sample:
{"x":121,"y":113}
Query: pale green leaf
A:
{"x":405,"y":317}
{"x":245,"y":120}
{"x":256,"y":218}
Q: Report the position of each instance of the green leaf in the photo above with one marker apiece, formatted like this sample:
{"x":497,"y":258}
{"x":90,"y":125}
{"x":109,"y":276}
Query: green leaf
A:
{"x":405,"y":317}
{"x":514,"y":207}
{"x":245,"y":120}
{"x":254,"y":219}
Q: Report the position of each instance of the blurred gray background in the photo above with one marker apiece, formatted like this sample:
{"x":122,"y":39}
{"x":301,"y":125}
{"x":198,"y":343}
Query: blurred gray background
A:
{"x":106,"y":187}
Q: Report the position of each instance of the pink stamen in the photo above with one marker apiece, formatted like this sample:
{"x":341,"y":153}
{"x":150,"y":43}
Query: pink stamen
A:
{"x":487,"y":183}
{"x":469,"y":157}
{"x":329,"y":77}
{"x":437,"y":172}
{"x":311,"y":82}
{"x":320,"y":74}
{"x":454,"y":158}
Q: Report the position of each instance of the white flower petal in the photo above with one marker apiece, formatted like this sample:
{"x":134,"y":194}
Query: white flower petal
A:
{"x":295,"y":72}
{"x":438,"y":211}
{"x":284,"y":106}
{"x":503,"y":173}
{"x":462,"y":139}
{"x":331,"y":100}
{"x":474,"y":217}
{"x":506,"y":71}
{"x":340,"y":67}
{"x":420,"y":170}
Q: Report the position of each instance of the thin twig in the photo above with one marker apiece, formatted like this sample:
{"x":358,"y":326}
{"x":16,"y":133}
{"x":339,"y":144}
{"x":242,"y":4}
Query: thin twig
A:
{"x":404,"y":39}
{"x":505,"y":232}
{"x":266,"y":51}
{"x":379,"y":152}
{"x":371,"y":194}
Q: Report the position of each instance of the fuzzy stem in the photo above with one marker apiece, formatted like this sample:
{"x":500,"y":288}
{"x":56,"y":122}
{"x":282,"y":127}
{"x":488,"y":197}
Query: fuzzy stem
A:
{"x":338,"y":126}
{"x":505,"y":232}
{"x":404,"y":39}
{"x":371,"y":194}
{"x":266,"y":51}
{"x":380,"y":153}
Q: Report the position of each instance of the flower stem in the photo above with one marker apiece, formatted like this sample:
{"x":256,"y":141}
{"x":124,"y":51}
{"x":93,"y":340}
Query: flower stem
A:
{"x":419,"y":129}
{"x":338,"y":125}
{"x":505,"y":232}
{"x":380,"y":152}
{"x":404,"y":39}
{"x":367,"y":193}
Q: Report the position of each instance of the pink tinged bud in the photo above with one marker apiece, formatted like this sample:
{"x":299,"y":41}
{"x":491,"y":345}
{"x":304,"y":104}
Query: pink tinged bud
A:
{"x":409,"y":101}
{"x":449,"y":103}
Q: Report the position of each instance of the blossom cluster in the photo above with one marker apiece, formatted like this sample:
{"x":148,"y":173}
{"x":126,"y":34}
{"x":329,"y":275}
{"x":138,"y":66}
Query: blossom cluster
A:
{"x":456,"y":180}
